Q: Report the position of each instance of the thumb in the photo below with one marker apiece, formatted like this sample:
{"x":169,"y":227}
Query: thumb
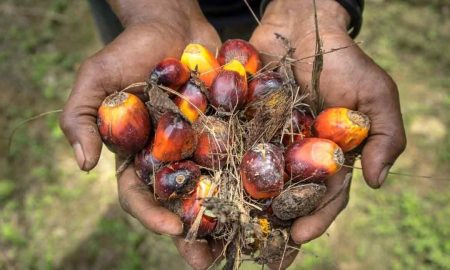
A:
{"x":78,"y":120}
{"x":386,"y":139}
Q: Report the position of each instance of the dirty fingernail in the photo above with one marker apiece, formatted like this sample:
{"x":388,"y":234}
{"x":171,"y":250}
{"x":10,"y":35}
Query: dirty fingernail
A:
{"x":179,"y":230}
{"x":383,"y":175}
{"x":79,"y":155}
{"x":174,"y":229}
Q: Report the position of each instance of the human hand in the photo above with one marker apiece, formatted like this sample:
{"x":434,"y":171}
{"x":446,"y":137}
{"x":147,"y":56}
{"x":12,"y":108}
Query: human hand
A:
{"x":147,"y":39}
{"x":350,"y":79}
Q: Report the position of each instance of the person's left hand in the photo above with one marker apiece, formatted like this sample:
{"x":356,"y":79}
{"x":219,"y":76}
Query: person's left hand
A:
{"x":350,"y":79}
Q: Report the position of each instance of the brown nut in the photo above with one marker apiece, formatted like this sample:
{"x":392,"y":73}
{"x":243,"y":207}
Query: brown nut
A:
{"x":298,"y":201}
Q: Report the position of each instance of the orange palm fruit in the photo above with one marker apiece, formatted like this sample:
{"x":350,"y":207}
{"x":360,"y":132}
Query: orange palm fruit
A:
{"x":262,"y":84}
{"x":241,"y":50}
{"x":213,"y":140}
{"x":343,"y":126}
{"x":229,"y":89}
{"x":191,"y":207}
{"x":197,"y":58}
{"x":170,"y":72}
{"x":313,"y":159}
{"x":146,"y":165}
{"x":193,"y":101}
{"x":301,"y":124}
{"x":176,"y":180}
{"x":262,"y":171}
{"x":124,"y":123}
{"x":175,"y":139}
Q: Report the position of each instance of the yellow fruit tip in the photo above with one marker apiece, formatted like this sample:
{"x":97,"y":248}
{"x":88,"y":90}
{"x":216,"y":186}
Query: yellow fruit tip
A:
{"x":235,"y":65}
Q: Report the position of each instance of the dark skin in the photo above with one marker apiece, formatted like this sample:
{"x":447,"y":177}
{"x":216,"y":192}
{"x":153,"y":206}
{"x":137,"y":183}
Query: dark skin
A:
{"x":349,"y":79}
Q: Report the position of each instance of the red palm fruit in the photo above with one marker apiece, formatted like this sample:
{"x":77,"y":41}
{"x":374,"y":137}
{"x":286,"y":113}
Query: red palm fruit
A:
{"x":345,"y":127}
{"x":170,"y":72}
{"x":313,"y":159}
{"x":146,"y":165}
{"x":193,"y":103}
{"x":192,"y":205}
{"x":241,"y":50}
{"x":197,"y":58}
{"x":229,"y":89}
{"x":175,"y":139}
{"x":124,"y":123}
{"x":176,"y":180}
{"x":262,"y":84}
{"x":213,"y":141}
{"x":300,"y":127}
{"x":262,"y":171}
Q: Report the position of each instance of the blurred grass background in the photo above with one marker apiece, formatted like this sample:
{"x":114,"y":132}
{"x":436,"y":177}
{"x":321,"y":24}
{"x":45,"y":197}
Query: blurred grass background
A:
{"x":52,"y":216}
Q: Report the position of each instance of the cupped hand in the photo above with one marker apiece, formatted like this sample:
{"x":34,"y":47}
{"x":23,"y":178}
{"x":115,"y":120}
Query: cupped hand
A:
{"x":126,"y":60}
{"x":350,"y":79}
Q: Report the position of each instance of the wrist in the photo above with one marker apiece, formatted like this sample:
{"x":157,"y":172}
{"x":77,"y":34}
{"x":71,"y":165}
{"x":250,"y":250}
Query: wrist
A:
{"x":299,"y":15}
{"x":179,"y":14}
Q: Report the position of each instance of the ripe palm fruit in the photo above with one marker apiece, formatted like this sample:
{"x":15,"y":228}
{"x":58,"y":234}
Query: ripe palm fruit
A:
{"x":146,"y":165}
{"x":262,"y":171}
{"x":193,"y":103}
{"x":175,"y":139}
{"x":229,"y":89}
{"x":124,"y":123}
{"x":345,"y":127}
{"x":241,"y":50}
{"x":313,"y":159}
{"x":191,"y":207}
{"x":197,"y":58}
{"x":300,"y":127}
{"x":176,"y":180}
{"x":213,"y":140}
{"x":262,"y":84}
{"x":170,"y":72}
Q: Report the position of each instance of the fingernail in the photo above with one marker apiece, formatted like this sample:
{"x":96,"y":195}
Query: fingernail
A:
{"x":180,"y":228}
{"x":79,"y":155}
{"x":383,"y":174}
{"x":175,"y":230}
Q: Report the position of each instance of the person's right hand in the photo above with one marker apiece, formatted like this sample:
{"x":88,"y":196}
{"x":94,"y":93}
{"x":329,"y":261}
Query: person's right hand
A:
{"x":145,"y":41}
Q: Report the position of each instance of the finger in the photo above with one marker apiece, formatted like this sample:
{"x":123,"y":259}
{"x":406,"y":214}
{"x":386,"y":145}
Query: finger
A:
{"x":310,"y":227}
{"x":270,"y":52}
{"x":217,"y":249}
{"x":287,"y":259}
{"x":78,"y":120}
{"x":136,"y":199}
{"x":387,"y":138}
{"x":207,"y":35}
{"x":199,"y":254}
